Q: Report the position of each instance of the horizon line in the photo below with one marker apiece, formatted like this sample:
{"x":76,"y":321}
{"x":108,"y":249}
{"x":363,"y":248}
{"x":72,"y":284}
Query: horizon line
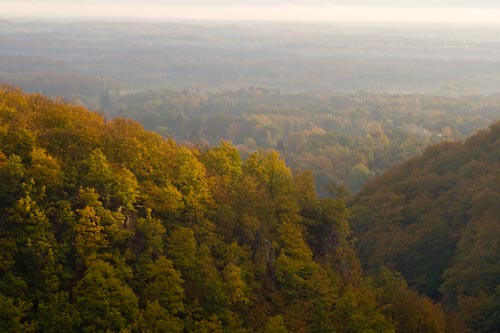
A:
{"x":274,"y":13}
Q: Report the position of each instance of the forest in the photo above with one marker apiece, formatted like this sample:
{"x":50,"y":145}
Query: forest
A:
{"x":178,"y":176}
{"x":81,"y":58}
{"x":436,"y":219}
{"x":108,"y":227}
{"x":346,"y":101}
{"x":345,"y":138}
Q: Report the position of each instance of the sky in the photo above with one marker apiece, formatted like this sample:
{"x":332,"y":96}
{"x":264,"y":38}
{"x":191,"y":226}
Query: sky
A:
{"x":404,"y":11}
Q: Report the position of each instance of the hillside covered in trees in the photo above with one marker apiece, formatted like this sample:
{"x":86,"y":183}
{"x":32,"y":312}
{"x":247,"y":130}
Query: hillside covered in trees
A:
{"x":436,"y":219}
{"x":344,"y":138}
{"x":106,"y":227}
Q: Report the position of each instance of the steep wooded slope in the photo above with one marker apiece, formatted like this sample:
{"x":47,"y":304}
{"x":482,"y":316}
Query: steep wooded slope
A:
{"x":436,"y":219}
{"x":105,"y":227}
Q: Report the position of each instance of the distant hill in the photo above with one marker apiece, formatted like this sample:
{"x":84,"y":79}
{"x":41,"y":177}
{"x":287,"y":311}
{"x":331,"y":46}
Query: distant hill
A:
{"x":436,"y":219}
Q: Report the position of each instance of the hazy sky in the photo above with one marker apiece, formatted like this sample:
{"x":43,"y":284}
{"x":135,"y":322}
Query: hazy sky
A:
{"x":444,"y":11}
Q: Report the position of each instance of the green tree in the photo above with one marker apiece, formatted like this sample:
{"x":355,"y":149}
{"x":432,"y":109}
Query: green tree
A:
{"x":357,"y":311}
{"x":11,"y":316}
{"x":164,"y":284}
{"x":105,"y":303}
{"x":156,"y":319}
{"x":275,"y":325}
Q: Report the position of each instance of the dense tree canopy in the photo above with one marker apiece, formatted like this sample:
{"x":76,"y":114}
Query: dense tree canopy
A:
{"x":436,"y":220}
{"x":105,"y":227}
{"x":344,"y":138}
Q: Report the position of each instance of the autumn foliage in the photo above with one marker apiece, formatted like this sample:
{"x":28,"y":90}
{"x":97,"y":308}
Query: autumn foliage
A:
{"x":106,"y":227}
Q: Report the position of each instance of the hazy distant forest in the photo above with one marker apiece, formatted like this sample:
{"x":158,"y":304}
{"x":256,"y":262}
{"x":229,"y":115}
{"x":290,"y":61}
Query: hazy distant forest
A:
{"x":322,"y":95}
{"x":223,"y":177}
